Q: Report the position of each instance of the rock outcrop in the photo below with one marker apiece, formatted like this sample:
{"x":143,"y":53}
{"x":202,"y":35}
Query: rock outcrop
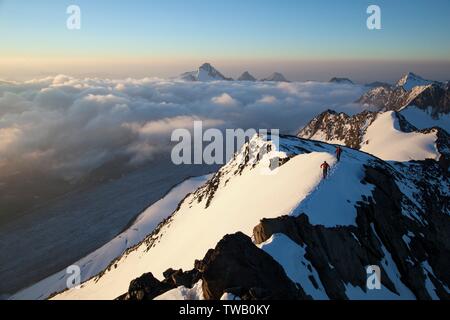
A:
{"x":237,"y":266}
{"x":434,"y":95}
{"x":390,"y":228}
{"x":334,"y":127}
{"x":341,"y":254}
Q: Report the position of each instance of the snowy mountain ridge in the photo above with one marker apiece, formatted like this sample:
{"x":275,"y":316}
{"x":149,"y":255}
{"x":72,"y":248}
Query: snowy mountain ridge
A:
{"x":411,"y":90}
{"x":206,"y":72}
{"x":267,"y":226}
{"x":286,"y":214}
{"x":388,"y":135}
{"x":411,"y":80}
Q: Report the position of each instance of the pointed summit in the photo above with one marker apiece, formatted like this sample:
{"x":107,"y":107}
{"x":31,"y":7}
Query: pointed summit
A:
{"x":246,"y":76}
{"x":206,"y":72}
{"x":411,"y":80}
{"x":277,"y":240}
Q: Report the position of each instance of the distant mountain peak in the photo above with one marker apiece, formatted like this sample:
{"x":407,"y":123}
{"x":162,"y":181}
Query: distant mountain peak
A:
{"x":411,"y":80}
{"x":277,"y":77}
{"x":341,"y":80}
{"x":363,"y":192}
{"x":372,"y":131}
{"x":206,"y":66}
{"x":411,"y":90}
{"x":206,"y":72}
{"x":246,"y":76}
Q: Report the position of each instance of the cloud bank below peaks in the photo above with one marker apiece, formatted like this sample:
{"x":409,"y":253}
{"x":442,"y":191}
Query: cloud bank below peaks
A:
{"x":70,"y":126}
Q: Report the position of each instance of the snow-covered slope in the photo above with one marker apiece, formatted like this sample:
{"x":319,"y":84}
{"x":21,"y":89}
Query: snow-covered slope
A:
{"x":411,"y":80}
{"x":324,"y":246}
{"x":206,"y":72}
{"x":217,"y":209}
{"x":386,"y":139}
{"x":435,"y":99}
{"x":387,"y":135}
{"x":411,"y":90}
{"x":425,"y":105}
{"x":338,"y":128}
{"x":235,"y":199}
{"x":425,"y":118}
{"x":267,"y":182}
{"x":100,"y":259}
{"x":383,"y":97}
{"x":276,"y":77}
{"x":292,"y":257}
{"x":65,"y":230}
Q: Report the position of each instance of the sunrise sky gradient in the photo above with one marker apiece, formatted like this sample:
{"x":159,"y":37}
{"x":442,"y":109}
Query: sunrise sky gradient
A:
{"x":303,"y":39}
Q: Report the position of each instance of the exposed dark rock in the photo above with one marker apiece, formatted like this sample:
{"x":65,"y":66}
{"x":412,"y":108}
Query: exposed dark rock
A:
{"x":380,"y":224}
{"x":436,"y":96}
{"x":350,"y":130}
{"x":235,"y":266}
{"x":395,"y":98}
{"x":341,"y":80}
{"x":206,"y":72}
{"x":328,"y":249}
{"x":237,"y":263}
{"x":442,"y":145}
{"x":246,"y":76}
{"x":409,"y":231}
{"x":339,"y":126}
{"x":385,"y":98}
{"x":207,"y":192}
{"x":146,"y":287}
{"x":404,"y":125}
{"x":179,"y":278}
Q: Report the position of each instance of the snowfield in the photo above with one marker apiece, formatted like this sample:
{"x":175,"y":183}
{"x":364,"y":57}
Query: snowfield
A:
{"x":235,"y":199}
{"x":183,"y":293}
{"x":411,"y":80}
{"x":411,"y":134}
{"x":292,"y":257}
{"x":422,"y":119}
{"x":385,"y":140}
{"x":99,"y":260}
{"x":244,"y":191}
{"x":367,"y":211}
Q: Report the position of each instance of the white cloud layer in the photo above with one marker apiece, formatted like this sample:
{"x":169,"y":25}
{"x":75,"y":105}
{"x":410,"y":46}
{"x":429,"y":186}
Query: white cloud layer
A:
{"x":70,"y":126}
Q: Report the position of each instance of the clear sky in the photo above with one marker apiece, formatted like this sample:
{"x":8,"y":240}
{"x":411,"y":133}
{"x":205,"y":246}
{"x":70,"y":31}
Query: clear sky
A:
{"x":306,"y":39}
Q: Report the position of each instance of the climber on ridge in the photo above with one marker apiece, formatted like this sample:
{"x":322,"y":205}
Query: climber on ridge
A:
{"x":338,"y":153}
{"x":325,"y":167}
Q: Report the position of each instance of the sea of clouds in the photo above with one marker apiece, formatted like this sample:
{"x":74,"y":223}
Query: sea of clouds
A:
{"x":70,"y":126}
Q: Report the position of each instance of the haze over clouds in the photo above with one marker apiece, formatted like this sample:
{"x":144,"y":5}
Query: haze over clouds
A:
{"x":300,"y":69}
{"x":69,"y":126}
